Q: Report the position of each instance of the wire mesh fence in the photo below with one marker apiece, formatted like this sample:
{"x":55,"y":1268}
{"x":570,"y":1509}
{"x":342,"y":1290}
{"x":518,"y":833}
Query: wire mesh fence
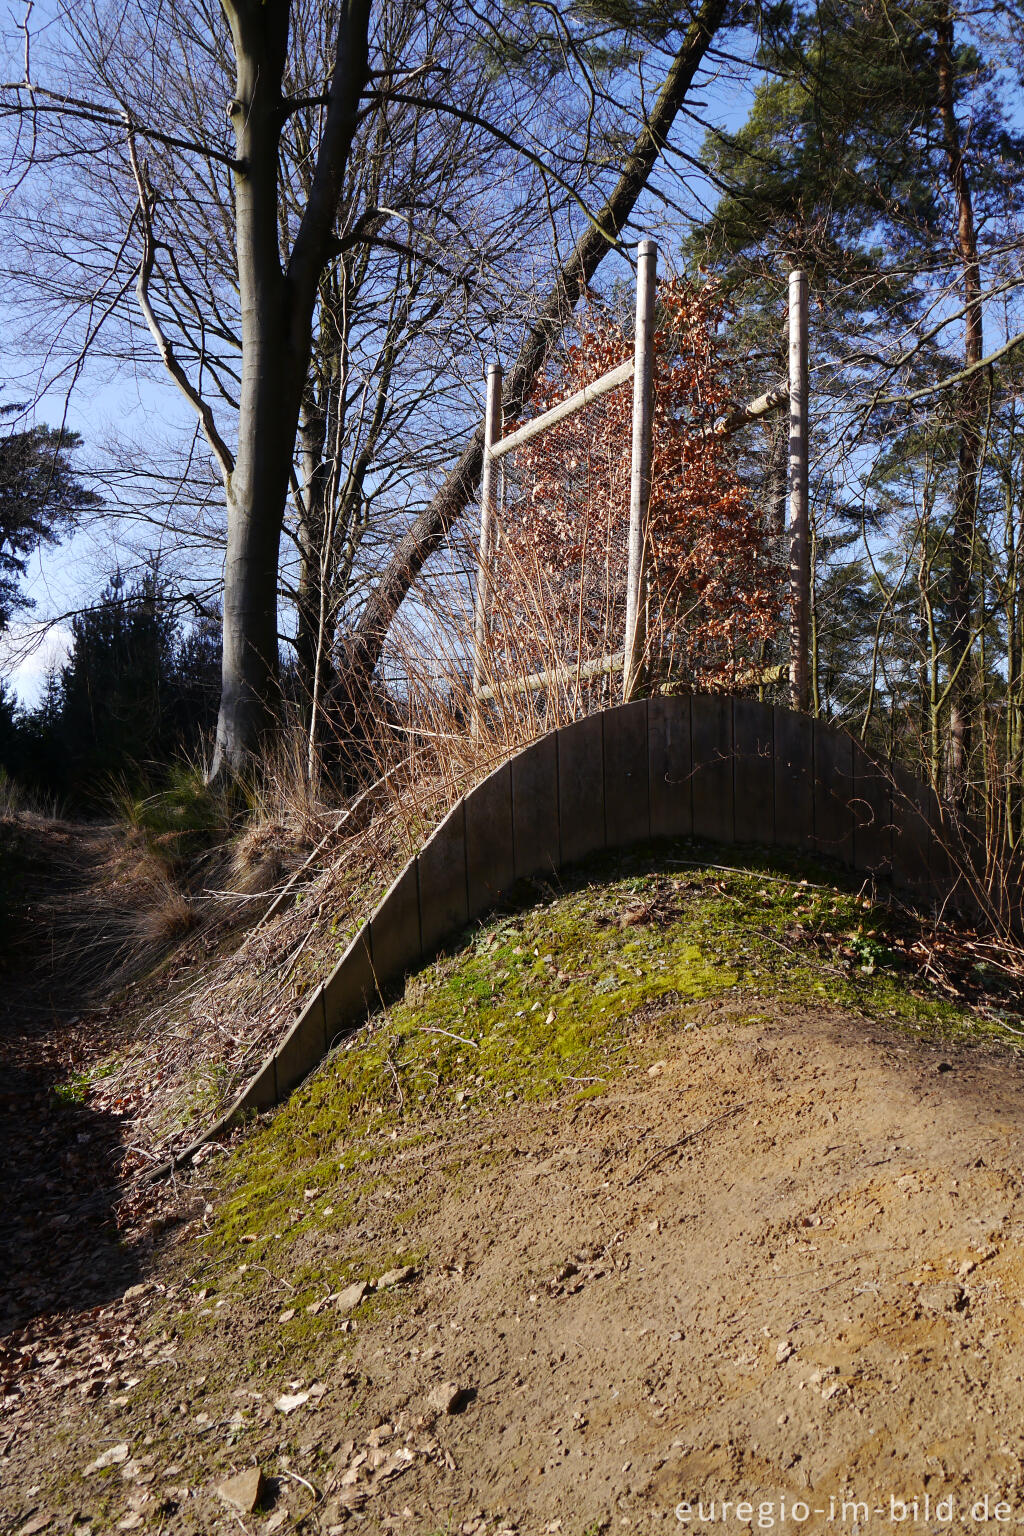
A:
{"x":531,"y":627}
{"x":558,"y":567}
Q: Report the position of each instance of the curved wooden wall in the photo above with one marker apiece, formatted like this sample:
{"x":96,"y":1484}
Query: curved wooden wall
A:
{"x":708,"y":766}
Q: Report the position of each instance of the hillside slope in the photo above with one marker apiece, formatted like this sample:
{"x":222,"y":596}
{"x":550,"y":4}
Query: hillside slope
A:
{"x":680,"y":1184}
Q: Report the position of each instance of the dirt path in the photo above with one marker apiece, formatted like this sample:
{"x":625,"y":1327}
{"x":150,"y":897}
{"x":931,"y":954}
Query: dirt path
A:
{"x":787,"y":1265}
{"x":782,"y":1263}
{"x":59,"y":1249}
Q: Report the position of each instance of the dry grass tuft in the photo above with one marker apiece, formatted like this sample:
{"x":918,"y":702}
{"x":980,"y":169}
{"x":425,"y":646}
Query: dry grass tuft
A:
{"x":166,"y":913}
{"x":260,"y":857}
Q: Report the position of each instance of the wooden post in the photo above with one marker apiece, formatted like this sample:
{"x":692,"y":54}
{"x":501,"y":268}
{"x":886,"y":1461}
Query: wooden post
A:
{"x":481,"y":617}
{"x":633,"y":665}
{"x":799,"y":531}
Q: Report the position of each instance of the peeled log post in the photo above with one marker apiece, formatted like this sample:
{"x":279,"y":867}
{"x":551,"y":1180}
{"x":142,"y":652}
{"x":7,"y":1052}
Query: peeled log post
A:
{"x":492,"y":433}
{"x":633,"y":666}
{"x":799,"y":532}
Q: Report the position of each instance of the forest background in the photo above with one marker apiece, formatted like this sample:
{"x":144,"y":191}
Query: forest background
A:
{"x":305,"y":318}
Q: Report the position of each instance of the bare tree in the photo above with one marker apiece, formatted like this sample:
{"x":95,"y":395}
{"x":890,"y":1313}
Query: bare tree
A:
{"x":601,"y":233}
{"x":243,"y":238}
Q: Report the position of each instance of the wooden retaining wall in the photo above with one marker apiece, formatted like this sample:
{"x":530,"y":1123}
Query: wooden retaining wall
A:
{"x":707,"y":766}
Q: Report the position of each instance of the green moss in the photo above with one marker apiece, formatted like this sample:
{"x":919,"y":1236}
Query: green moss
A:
{"x":76,"y":1089}
{"x":553,"y":998}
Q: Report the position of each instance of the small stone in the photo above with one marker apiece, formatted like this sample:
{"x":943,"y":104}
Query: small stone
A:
{"x":945,"y":1297}
{"x":131,"y":1522}
{"x":243,"y":1490}
{"x":351,"y":1296}
{"x":287,"y":1315}
{"x":784,"y":1351}
{"x":133,"y":1291}
{"x":446,"y":1397}
{"x":289,"y":1401}
{"x":395,"y":1277}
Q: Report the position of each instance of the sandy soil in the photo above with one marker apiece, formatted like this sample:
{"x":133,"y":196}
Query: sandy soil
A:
{"x":782,"y":1264}
{"x":786,"y":1264}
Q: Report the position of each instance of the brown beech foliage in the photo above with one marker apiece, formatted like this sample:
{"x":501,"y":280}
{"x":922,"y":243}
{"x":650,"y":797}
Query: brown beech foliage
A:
{"x":715,"y":578}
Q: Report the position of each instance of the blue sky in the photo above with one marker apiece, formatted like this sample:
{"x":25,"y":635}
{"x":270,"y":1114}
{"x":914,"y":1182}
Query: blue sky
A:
{"x":60,"y":580}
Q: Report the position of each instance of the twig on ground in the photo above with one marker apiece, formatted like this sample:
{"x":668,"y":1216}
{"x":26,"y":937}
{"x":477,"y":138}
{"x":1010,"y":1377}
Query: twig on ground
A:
{"x":683,"y":1141}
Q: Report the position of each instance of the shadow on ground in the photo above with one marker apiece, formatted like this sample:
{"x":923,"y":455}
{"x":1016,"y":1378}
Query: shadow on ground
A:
{"x":59,"y":1245}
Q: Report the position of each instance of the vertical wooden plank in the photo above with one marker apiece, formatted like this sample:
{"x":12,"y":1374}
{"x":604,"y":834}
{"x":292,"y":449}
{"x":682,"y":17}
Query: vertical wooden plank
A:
{"x":872,"y":816}
{"x":481,"y":620}
{"x":303,"y":1047}
{"x":349,"y":993}
{"x":911,"y":834}
{"x":670,"y":766}
{"x":535,"y":808}
{"x":753,"y":726}
{"x":580,"y":789}
{"x":627,"y":804}
{"x":833,"y":791}
{"x":800,"y":544}
{"x":634,"y":653}
{"x":943,"y":865}
{"x":395,"y":944}
{"x":943,"y":848}
{"x":712,"y":782}
{"x":490,"y":869}
{"x":444,"y":902}
{"x":794,"y":780}
{"x":961,"y":859}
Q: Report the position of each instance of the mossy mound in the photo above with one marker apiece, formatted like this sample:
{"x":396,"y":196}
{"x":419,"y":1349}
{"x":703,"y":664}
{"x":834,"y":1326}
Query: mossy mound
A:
{"x":552,"y":997}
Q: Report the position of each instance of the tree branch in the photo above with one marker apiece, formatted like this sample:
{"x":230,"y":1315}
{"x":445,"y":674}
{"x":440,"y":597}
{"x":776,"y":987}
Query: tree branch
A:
{"x":94,"y":112}
{"x":953,"y":379}
{"x":203,"y":410}
{"x":430,"y":529}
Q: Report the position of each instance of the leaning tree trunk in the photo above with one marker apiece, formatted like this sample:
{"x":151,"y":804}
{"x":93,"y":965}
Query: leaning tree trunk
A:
{"x":961,"y":549}
{"x":429,"y":531}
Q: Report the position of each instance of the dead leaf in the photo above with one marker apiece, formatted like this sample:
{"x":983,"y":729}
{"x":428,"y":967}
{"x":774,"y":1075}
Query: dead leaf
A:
{"x":111,"y":1458}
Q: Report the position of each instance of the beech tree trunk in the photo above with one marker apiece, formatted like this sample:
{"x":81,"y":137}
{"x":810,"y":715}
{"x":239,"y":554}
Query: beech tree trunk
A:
{"x":277,"y":305}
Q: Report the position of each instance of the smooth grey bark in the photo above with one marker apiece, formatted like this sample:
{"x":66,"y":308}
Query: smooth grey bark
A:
{"x":277,"y":304}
